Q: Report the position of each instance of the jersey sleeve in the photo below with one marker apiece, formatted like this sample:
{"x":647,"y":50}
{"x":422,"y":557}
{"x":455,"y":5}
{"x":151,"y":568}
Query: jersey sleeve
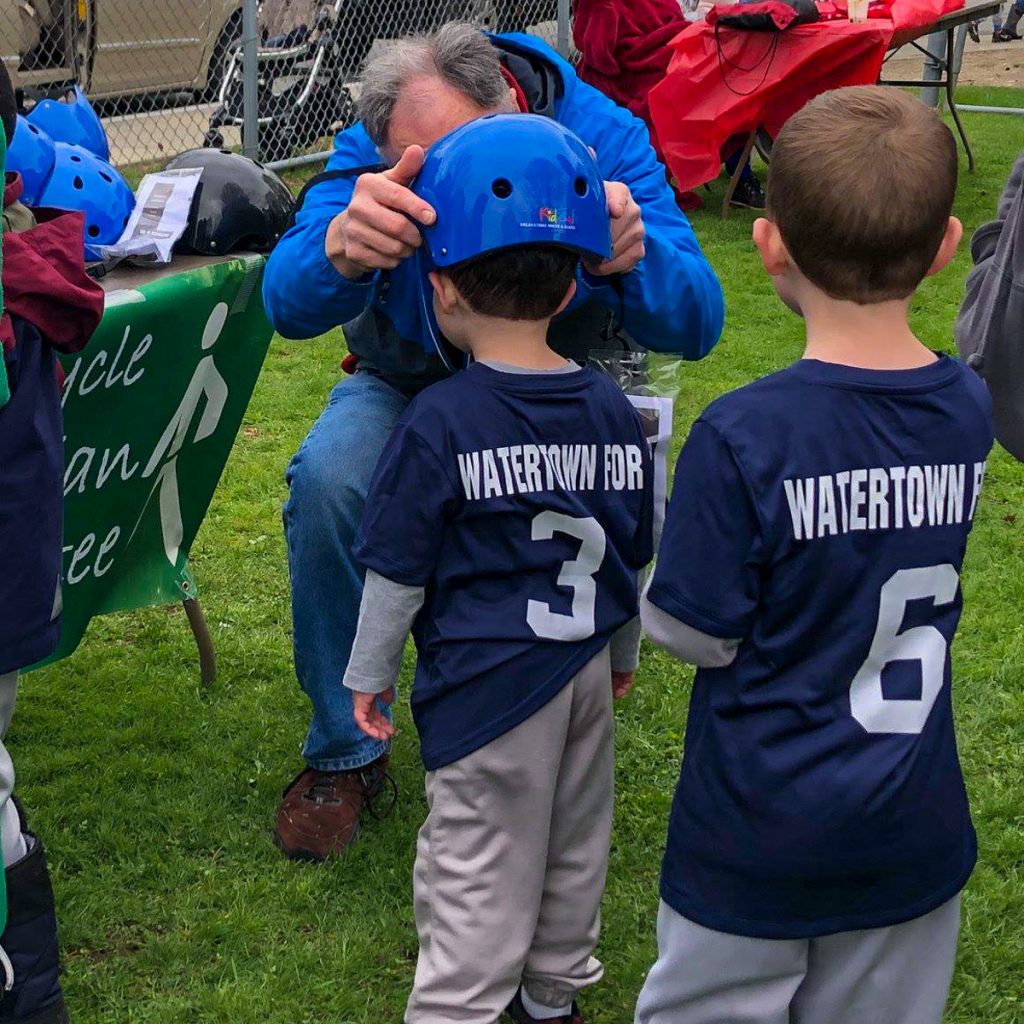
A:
{"x":411,"y":499}
{"x":708,"y":569}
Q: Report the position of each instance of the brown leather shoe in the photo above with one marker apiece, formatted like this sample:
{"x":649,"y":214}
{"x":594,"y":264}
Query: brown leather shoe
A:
{"x":319,"y":814}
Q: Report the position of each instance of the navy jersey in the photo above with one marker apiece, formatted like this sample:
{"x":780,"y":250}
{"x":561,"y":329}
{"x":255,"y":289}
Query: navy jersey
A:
{"x":522,"y":503}
{"x":821,"y":515}
{"x":31,"y":502}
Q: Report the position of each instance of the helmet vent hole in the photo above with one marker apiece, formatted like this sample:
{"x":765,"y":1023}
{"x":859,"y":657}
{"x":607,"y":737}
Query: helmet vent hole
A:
{"x":580,"y":186}
{"x":32,"y":128}
{"x":105,"y":176}
{"x":501,"y":187}
{"x":78,"y":183}
{"x":93,"y":231}
{"x":76,"y":159}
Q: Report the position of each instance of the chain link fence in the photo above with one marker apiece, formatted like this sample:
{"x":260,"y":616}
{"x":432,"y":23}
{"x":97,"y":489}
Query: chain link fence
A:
{"x":171,"y":75}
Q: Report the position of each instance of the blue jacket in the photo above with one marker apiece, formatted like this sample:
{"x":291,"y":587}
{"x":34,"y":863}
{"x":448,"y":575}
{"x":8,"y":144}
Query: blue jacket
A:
{"x":671,"y":302}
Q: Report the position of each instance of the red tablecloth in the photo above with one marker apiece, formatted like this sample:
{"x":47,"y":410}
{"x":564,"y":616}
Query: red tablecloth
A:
{"x":716,"y":93}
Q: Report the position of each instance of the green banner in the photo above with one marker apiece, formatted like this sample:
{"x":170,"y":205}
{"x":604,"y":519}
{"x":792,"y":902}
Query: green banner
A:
{"x":151,"y":410}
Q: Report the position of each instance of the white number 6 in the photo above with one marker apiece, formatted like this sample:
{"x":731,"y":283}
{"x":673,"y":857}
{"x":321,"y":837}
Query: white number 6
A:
{"x":925,"y":644}
{"x":577,"y":573}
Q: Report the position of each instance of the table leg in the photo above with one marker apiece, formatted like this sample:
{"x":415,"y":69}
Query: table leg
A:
{"x":204,"y":641}
{"x":958,"y":50}
{"x":951,"y":79}
{"x":735,"y":179}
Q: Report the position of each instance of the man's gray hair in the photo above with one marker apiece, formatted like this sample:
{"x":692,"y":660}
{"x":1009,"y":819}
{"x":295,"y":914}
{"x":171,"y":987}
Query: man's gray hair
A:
{"x":459,"y":54}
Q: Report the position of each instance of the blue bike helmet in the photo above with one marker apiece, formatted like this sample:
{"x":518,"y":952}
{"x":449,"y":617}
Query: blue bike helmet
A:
{"x":81,"y":181}
{"x":74,"y":121}
{"x":512,"y":179}
{"x":32,"y":155}
{"x":501,"y":181}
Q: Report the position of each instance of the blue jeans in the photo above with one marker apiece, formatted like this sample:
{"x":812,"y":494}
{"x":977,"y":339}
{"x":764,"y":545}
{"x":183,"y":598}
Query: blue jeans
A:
{"x":732,"y":162}
{"x":328,"y":481}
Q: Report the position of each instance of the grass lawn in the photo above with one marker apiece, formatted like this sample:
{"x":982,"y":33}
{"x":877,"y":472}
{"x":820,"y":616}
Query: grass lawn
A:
{"x":156,"y":797}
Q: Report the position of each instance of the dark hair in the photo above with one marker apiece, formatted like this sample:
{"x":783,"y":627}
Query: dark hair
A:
{"x":8,"y":106}
{"x":524,"y":283}
{"x":861,"y":185}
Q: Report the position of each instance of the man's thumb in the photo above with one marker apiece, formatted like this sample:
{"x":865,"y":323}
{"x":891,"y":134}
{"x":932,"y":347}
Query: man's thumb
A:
{"x":407,"y":167}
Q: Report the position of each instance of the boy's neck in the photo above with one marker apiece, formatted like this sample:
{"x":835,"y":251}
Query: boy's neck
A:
{"x":514,"y":342}
{"x":872,"y":337}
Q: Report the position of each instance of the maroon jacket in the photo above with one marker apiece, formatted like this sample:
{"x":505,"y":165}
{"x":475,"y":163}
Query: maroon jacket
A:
{"x":44,"y":278}
{"x":624,"y":48}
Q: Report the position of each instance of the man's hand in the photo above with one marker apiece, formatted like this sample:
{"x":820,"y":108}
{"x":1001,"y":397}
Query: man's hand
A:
{"x":370,"y":716}
{"x":622,"y":683}
{"x":374,"y":232}
{"x":627,"y":231}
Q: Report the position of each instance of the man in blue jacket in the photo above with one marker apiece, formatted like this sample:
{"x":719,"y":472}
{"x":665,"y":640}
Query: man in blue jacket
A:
{"x":346,"y":261}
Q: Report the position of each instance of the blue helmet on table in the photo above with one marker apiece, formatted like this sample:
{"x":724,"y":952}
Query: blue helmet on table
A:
{"x":32,"y":154}
{"x":512,"y":179}
{"x":72,"y":120}
{"x":81,"y":181}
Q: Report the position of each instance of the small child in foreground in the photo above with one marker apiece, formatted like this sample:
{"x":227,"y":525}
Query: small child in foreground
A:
{"x":49,"y":305}
{"x":509,"y":516}
{"x":820,"y":834}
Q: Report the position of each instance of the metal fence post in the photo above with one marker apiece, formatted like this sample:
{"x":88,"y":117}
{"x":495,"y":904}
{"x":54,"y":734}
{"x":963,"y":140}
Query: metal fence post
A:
{"x":563,"y":27}
{"x":933,"y":67}
{"x":250,"y":80}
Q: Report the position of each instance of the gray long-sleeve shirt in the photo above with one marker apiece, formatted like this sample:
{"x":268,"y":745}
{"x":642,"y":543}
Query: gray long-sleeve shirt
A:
{"x":990,"y":328}
{"x":386,"y":614}
{"x":683,"y":641}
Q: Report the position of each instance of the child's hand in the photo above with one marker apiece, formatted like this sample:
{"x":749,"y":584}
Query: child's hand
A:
{"x":622,"y":683}
{"x":370,"y":715}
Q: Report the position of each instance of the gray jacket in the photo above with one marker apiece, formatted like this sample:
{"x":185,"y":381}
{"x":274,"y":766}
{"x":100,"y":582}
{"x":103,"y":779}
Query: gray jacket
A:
{"x":990,"y":328}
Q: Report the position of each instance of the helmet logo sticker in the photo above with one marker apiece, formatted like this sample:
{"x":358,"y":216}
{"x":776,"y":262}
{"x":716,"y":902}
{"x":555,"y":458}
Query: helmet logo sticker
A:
{"x":549,"y":217}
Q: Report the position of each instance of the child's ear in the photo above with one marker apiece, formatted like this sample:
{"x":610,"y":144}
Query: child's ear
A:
{"x":570,"y":292}
{"x":445,"y":293}
{"x":768,"y":240}
{"x":948,"y":246}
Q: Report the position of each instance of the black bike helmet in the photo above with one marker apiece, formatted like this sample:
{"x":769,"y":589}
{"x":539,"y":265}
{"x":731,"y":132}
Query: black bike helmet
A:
{"x":239,"y":204}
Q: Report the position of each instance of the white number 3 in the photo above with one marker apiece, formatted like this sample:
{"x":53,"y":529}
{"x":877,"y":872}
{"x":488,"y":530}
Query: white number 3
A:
{"x":577,"y":573}
{"x":925,"y":644}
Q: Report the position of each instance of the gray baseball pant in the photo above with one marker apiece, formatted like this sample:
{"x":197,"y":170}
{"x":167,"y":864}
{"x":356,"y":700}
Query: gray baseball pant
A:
{"x":511,"y":862}
{"x":10,"y":824}
{"x":896,"y":975}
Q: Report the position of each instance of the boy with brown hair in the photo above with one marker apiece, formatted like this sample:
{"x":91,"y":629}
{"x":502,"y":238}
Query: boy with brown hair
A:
{"x":820,"y":834}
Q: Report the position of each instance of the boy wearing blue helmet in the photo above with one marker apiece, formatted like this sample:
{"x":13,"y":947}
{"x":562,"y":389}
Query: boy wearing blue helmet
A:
{"x":506,"y":524}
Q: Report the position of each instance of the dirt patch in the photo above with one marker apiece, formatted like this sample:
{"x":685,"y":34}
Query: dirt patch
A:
{"x":985,"y":63}
{"x":994,"y":65}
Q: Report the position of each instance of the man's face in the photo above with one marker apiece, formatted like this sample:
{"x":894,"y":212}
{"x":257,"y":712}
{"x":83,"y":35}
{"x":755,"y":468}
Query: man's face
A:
{"x":427,"y":109}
